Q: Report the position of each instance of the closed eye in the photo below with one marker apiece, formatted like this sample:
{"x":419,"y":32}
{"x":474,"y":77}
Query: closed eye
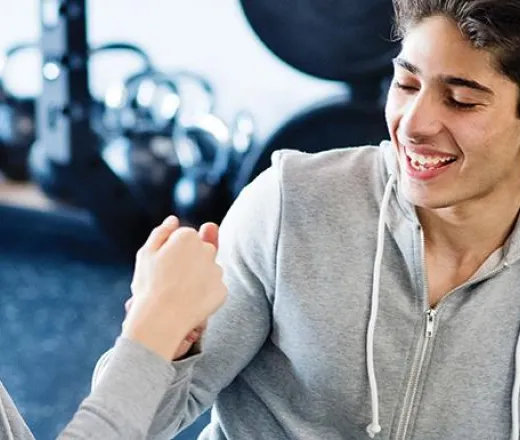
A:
{"x":460,"y":105}
{"x":450,"y":102}
{"x":405,"y":87}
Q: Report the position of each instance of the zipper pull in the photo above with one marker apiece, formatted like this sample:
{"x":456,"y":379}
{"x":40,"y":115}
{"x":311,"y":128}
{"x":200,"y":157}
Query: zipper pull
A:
{"x":430,"y":322}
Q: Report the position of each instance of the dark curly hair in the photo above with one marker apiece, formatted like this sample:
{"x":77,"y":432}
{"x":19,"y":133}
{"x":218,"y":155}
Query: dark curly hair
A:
{"x":492,"y":25}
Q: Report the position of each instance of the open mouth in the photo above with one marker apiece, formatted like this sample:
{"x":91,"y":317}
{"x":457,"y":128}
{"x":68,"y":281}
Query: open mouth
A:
{"x":420,"y":162}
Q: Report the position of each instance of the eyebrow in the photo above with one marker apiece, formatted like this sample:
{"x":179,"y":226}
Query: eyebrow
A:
{"x":447,"y":79}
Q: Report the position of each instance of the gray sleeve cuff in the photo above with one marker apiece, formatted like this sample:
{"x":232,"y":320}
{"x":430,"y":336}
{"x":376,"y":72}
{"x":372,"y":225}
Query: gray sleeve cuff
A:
{"x":132,"y":383}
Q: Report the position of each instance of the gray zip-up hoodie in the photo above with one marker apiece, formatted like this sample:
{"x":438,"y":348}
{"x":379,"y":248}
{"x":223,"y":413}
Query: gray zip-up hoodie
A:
{"x":328,"y":330}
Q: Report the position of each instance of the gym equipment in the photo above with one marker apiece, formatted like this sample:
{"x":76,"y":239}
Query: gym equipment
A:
{"x":333,"y":123}
{"x":169,"y":153}
{"x":323,"y":39}
{"x":243,"y":144}
{"x":198,"y":95}
{"x":142,"y":154}
{"x":181,"y":158}
{"x":203,"y":149}
{"x":209,"y":153}
{"x":147,"y":164}
{"x":147,"y":101}
{"x":103,"y":113}
{"x":66,"y":160}
{"x":17,"y":130}
{"x":334,"y":39}
{"x":104,"y":127}
{"x":17,"y":114}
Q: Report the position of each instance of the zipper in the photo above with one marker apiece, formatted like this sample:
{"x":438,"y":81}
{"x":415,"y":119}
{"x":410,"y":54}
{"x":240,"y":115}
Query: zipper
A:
{"x":413,"y":383}
{"x":430,"y":322}
{"x":427,"y":339}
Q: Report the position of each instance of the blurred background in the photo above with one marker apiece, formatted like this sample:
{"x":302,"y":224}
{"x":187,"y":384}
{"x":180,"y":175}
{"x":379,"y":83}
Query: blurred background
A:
{"x":211,"y":38}
{"x":115,"y":114}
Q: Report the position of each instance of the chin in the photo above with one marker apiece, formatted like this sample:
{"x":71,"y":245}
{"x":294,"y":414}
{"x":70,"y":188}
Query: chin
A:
{"x":428,"y":199}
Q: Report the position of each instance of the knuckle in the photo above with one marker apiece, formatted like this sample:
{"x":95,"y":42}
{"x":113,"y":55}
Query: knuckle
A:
{"x":155,"y":231}
{"x":186,"y":233}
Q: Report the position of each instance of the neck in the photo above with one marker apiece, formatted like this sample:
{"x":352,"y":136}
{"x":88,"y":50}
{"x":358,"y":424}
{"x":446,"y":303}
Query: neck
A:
{"x":470,"y":231}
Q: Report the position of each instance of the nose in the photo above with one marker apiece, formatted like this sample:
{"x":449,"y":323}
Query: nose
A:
{"x":421,"y":118}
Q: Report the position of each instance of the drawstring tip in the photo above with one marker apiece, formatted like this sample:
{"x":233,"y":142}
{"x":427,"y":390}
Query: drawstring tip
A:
{"x":373,"y":429}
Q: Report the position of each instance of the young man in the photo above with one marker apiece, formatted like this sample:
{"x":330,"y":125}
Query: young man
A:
{"x":375,"y":291}
{"x":175,"y":269}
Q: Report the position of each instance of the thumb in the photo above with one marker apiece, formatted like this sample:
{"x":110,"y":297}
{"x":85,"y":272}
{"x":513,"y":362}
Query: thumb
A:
{"x":208,"y":232}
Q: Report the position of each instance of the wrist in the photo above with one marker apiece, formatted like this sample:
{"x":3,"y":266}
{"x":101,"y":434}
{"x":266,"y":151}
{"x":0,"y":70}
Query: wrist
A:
{"x":163,"y":343}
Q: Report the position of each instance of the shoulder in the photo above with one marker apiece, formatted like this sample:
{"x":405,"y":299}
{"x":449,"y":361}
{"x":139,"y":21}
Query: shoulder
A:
{"x":344,"y":172}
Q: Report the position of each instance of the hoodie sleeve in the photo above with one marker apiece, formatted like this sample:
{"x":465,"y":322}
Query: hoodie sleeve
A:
{"x":247,"y":252}
{"x":126,"y":397}
{"x":12,"y":425}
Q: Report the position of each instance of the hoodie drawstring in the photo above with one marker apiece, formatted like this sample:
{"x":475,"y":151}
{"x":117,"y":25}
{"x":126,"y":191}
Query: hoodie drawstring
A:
{"x":374,"y":427}
{"x":515,"y":427}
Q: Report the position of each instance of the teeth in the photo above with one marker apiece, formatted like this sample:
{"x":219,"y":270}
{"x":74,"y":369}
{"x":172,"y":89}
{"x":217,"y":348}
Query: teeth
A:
{"x":428,"y":160}
{"x":418,"y":166}
{"x":422,"y":163}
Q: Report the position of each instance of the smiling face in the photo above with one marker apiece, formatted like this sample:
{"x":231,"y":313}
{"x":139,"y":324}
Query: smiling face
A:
{"x":452,"y":117}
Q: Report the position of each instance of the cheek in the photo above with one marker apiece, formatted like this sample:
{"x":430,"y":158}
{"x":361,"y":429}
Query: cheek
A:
{"x":393,"y":109}
{"x":475,"y":139}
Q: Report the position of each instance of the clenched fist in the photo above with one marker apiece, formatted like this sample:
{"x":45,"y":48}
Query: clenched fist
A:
{"x":177,"y":286}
